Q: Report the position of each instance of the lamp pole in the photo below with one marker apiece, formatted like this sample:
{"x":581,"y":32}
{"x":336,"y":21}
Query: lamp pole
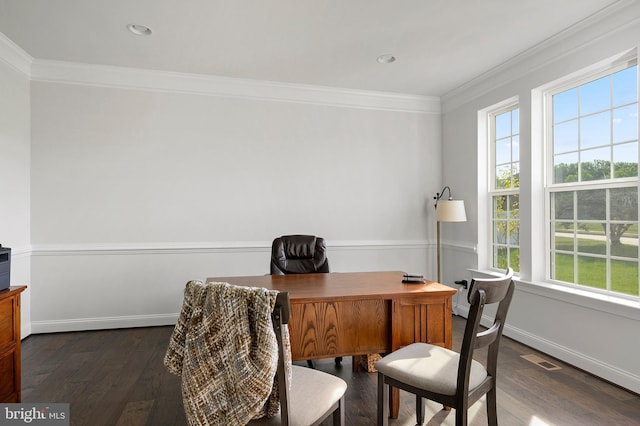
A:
{"x":438,"y":233}
{"x":450,"y":210}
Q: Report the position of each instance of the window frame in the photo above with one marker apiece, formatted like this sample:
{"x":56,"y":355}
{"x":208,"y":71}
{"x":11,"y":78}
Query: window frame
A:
{"x":551,"y":188}
{"x":490,"y":115}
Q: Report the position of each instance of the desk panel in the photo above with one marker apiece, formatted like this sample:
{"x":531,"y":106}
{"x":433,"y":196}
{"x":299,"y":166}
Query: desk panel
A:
{"x":339,"y":328}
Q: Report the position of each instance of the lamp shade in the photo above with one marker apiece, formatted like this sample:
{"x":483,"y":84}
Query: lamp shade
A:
{"x":451,"y":211}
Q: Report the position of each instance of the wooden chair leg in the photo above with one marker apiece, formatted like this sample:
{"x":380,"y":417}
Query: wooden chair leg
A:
{"x":383,"y":398}
{"x":339,"y":414}
{"x":461,"y":416}
{"x":419,"y":410}
{"x":492,"y":412}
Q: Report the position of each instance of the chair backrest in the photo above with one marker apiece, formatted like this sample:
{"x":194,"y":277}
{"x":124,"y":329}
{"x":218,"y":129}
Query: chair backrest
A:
{"x":298,"y":254}
{"x":484,"y":292}
{"x":280,"y":317}
{"x":221,"y":322}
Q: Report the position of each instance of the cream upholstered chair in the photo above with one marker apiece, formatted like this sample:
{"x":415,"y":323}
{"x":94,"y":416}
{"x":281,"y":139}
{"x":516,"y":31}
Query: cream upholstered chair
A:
{"x":312,"y":395}
{"x":451,"y":378}
{"x":231,"y":348}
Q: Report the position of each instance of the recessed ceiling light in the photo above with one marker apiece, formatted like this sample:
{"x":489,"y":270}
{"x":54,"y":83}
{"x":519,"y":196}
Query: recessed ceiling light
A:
{"x":386,"y":58}
{"x":140,"y":30}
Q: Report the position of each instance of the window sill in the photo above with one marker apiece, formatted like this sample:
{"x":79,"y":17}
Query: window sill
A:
{"x":605,"y":303}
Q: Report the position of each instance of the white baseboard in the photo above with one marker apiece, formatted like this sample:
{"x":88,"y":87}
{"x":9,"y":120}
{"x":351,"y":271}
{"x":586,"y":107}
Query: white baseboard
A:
{"x":608,"y":372}
{"x":82,"y":324}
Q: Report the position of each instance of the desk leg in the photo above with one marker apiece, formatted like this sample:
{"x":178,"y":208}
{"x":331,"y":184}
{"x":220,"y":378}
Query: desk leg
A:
{"x":394,"y":402}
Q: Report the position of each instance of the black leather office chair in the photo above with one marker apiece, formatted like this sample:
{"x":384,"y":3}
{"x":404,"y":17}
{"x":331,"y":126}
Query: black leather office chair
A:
{"x":300,"y":254}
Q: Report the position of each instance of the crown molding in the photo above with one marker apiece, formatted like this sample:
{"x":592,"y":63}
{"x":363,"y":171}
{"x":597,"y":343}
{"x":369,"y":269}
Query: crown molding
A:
{"x":51,"y":71}
{"x":614,"y":18}
{"x":12,"y":55}
{"x":163,"y":81}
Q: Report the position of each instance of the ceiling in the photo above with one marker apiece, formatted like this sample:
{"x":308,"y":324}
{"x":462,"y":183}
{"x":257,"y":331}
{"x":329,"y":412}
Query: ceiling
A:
{"x":439,"y":44}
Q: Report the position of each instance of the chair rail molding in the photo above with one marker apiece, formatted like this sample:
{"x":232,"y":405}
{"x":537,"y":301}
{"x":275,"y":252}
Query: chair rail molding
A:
{"x":211,"y":247}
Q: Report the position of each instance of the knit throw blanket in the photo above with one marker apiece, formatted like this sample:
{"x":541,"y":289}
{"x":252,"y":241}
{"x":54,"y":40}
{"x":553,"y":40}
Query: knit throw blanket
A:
{"x":226,"y":351}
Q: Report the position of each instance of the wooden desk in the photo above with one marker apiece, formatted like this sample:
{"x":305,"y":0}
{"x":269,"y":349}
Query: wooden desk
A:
{"x":345,"y":314}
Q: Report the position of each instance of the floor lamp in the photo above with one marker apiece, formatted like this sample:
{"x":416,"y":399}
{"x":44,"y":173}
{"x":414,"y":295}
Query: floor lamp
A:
{"x":447,"y":210}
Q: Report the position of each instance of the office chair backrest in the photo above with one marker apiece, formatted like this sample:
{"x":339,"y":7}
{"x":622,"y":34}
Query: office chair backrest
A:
{"x":298,"y":254}
{"x":484,"y":292}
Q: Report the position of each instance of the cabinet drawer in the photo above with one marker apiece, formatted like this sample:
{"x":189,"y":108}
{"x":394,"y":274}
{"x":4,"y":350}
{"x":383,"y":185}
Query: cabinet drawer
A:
{"x":8,"y":384}
{"x":7,"y":325}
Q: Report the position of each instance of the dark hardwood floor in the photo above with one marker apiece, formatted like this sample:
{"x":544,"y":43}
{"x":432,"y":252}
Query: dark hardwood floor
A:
{"x":116,"y":377}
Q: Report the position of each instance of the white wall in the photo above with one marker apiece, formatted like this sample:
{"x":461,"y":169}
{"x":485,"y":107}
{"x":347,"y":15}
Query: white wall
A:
{"x":137,"y":189}
{"x":598,"y":336}
{"x":15,"y":167}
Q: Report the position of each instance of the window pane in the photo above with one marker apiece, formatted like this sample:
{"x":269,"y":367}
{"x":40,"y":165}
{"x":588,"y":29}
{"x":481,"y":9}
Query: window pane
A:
{"x":500,"y":232}
{"x":624,"y":240}
{"x":503,"y":151}
{"x":565,"y":168}
{"x":592,"y":204}
{"x":625,"y":86}
{"x":595,"y":130}
{"x":515,"y":175}
{"x":563,"y":205}
{"x":514,"y":206}
{"x":625,"y":160}
{"x":565,"y":137}
{"x":592,"y":272}
{"x":595,"y":96}
{"x":625,"y":124}
{"x":514,"y":259}
{"x":595,"y":164}
{"x":503,"y":125}
{"x":563,"y":236}
{"x":591,"y":238}
{"x":563,"y":268}
{"x":514,"y":234}
{"x":503,"y":177}
{"x":624,"y":204}
{"x":500,"y":207}
{"x":565,"y":105}
{"x":501,"y":259}
{"x":624,"y":277}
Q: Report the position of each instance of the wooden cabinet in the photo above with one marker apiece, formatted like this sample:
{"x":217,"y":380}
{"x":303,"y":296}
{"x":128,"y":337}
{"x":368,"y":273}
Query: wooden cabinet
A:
{"x":10,"y":344}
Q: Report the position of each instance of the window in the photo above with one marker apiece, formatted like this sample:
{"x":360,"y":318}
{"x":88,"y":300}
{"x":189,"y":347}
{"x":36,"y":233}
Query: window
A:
{"x":504,"y":188}
{"x":592,"y":182}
